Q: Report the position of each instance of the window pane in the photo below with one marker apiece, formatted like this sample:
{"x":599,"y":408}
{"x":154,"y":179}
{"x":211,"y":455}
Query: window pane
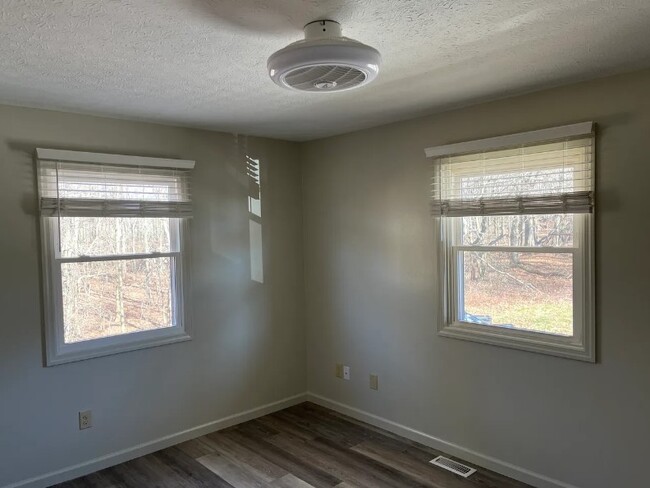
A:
{"x":541,"y":169}
{"x":503,"y":182}
{"x":109,"y":298}
{"x":529,"y":291}
{"x":518,"y":230}
{"x":103,"y":236}
{"x":92,"y":181}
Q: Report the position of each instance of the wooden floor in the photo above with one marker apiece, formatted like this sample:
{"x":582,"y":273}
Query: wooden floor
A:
{"x":300,"y":447}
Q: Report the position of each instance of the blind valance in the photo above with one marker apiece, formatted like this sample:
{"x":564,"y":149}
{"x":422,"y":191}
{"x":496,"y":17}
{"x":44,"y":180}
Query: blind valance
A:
{"x":532,"y":177}
{"x":75,"y":184}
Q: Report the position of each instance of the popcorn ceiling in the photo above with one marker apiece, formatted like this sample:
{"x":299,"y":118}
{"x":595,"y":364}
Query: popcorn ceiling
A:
{"x":202,"y":63}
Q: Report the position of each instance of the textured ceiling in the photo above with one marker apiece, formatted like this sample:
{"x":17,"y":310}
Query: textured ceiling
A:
{"x":203,"y":62}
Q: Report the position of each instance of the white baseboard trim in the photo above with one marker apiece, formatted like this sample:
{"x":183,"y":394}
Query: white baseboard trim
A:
{"x":87,"y":467}
{"x":480,"y":459}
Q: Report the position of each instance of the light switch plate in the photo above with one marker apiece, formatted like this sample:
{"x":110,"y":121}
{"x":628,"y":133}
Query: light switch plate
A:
{"x":374,"y":382}
{"x":346,"y":372}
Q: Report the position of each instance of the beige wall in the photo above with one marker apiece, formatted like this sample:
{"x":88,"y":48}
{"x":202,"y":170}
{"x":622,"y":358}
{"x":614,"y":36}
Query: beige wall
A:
{"x":248,"y":347}
{"x":361,"y":211}
{"x":370,"y":303}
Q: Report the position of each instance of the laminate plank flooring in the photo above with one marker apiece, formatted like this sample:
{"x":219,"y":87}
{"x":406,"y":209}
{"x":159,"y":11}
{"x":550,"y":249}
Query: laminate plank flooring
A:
{"x":305,"y":446}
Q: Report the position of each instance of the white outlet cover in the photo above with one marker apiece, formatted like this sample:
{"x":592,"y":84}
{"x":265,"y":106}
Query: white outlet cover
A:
{"x":85,"y":420}
{"x":346,"y":372}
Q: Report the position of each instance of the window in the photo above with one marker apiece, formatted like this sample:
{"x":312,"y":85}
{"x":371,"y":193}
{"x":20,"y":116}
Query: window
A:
{"x":114,"y":231}
{"x":516,"y":240}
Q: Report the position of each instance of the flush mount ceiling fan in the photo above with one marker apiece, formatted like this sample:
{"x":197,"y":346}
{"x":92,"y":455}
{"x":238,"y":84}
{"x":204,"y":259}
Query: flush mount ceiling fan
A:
{"x":324,"y":61}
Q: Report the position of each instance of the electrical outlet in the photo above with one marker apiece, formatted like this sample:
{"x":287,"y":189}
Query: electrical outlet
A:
{"x":85,"y":419}
{"x":339,"y":370}
{"x":374,"y":382}
{"x":346,"y":372}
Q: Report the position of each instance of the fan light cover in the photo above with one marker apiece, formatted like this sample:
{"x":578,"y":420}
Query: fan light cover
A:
{"x":324,"y":61}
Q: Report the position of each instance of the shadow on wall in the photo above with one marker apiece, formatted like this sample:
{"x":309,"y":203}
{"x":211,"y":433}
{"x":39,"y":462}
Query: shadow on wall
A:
{"x":235,"y":291}
{"x":245,"y":171}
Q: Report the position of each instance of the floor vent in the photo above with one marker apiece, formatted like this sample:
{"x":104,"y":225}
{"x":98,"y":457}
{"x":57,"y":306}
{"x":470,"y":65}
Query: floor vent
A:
{"x":453,"y":466}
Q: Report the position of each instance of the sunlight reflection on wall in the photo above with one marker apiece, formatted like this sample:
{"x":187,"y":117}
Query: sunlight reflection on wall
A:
{"x":255,"y":219}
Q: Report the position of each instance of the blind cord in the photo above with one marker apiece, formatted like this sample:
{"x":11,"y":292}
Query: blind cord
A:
{"x":58,"y":207}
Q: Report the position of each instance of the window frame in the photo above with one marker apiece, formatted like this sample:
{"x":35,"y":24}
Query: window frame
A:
{"x":57,"y":351}
{"x":580,"y":346}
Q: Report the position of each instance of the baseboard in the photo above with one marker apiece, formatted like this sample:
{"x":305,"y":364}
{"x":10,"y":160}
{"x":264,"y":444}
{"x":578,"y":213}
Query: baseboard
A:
{"x":87,"y":467}
{"x":480,"y":459}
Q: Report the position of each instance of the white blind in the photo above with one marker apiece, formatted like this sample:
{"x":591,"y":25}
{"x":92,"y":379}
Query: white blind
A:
{"x":89,"y":189}
{"x":541,"y":177}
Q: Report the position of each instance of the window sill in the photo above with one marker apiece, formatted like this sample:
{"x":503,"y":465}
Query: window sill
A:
{"x":565,"y":347}
{"x":67,"y":353}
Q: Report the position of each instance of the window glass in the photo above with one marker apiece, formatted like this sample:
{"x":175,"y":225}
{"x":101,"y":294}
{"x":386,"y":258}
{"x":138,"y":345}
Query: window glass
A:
{"x":110,"y":298}
{"x":105,"y":236}
{"x":518,"y":230}
{"x":518,"y":290}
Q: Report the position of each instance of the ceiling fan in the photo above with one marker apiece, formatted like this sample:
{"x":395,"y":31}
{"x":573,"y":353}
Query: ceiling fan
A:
{"x":324,"y":61}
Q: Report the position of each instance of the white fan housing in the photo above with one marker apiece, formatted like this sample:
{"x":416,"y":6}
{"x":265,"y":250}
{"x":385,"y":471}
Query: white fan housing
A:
{"x":324,"y":61}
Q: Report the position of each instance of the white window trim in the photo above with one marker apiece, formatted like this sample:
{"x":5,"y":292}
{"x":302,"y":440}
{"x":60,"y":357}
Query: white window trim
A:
{"x":582,"y":346}
{"x":56,"y":350}
{"x":116,"y":159}
{"x":492,"y":143}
